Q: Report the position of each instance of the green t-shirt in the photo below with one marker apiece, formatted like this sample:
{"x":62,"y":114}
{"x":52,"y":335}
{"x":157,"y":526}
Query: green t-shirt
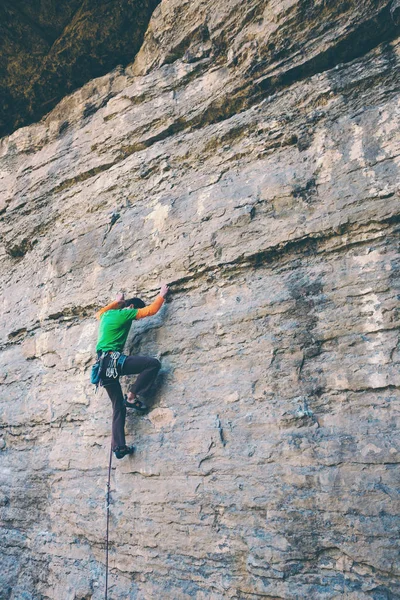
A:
{"x":114,"y":329}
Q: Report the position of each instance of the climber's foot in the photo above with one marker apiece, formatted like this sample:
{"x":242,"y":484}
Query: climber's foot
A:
{"x":137,"y":404}
{"x":121,"y":451}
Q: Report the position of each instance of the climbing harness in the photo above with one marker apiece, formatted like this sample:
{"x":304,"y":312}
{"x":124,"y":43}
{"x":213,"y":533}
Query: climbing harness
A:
{"x":108,"y":520}
{"x":114,"y":367}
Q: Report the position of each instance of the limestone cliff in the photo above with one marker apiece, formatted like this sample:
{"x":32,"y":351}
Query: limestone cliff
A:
{"x":250,"y":157}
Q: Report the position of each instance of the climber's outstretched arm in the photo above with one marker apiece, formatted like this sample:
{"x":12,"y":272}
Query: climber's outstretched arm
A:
{"x":154,"y":307}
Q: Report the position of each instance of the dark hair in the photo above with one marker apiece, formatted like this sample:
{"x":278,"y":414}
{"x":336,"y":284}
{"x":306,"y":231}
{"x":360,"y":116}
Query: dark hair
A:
{"x":137,"y":303}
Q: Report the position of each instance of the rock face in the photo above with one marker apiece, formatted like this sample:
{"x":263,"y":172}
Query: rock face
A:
{"x":250,"y":157}
{"x":50,"y":48}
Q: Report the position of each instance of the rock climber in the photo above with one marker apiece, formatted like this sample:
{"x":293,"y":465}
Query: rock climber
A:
{"x":115,"y":322}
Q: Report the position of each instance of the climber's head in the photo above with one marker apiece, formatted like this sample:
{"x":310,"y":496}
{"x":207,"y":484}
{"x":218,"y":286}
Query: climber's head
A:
{"x":134,"y":303}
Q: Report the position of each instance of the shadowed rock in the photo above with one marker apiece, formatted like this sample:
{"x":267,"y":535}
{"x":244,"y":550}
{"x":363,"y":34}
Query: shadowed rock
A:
{"x":48,"y":49}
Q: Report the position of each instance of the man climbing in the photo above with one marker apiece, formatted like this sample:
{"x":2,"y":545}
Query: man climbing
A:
{"x":115,"y":322}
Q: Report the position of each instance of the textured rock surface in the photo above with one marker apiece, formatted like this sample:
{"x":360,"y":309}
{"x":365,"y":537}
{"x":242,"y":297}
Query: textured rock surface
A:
{"x":50,"y":48}
{"x":251,"y":154}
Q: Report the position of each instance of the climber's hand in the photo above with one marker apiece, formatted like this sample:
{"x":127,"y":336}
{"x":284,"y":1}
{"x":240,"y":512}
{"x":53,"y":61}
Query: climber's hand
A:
{"x":120,"y":298}
{"x":164,"y":290}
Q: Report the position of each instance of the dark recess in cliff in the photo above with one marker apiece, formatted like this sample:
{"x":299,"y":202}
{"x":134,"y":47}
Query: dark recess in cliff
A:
{"x":49,"y":49}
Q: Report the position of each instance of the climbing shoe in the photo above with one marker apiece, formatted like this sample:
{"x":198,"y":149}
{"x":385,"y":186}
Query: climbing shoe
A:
{"x":137,"y":404}
{"x":121,"y":451}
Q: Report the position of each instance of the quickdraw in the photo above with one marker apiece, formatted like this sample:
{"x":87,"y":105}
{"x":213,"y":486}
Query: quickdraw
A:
{"x":112,"y":368}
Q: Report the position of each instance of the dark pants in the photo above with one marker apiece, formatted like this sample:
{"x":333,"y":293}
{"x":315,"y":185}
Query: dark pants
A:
{"x":147,"y":368}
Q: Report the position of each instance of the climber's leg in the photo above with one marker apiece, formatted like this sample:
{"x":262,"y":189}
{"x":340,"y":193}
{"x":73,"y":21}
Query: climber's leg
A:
{"x":147,"y":368}
{"x":119,"y":413}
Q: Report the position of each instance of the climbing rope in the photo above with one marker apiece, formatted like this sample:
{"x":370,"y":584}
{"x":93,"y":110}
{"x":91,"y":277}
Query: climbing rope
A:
{"x":108,"y":520}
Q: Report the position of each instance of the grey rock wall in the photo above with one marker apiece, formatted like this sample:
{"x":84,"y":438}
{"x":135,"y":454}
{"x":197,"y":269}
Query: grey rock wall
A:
{"x":251,"y":154}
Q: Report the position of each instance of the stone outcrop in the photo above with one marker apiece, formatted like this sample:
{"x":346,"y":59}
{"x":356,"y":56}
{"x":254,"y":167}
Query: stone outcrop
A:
{"x":48,"y":49}
{"x":250,"y":157}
